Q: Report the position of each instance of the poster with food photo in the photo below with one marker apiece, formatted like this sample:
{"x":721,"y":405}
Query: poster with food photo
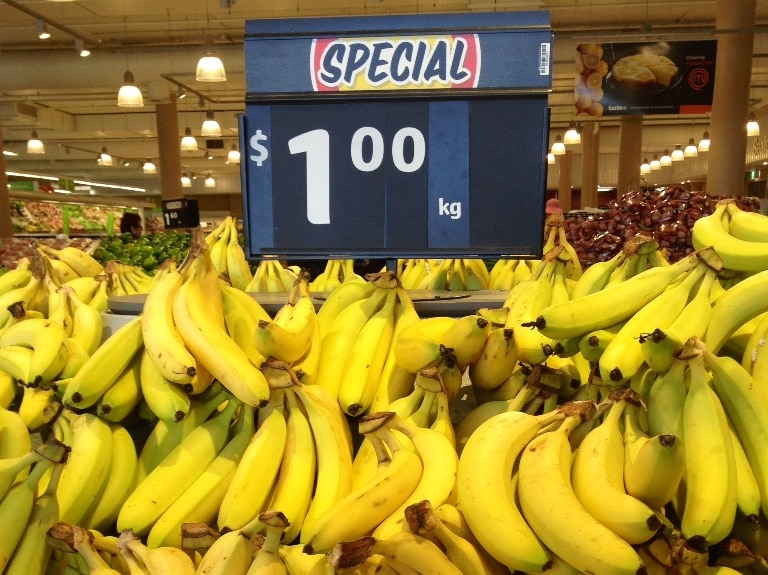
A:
{"x":616,"y":79}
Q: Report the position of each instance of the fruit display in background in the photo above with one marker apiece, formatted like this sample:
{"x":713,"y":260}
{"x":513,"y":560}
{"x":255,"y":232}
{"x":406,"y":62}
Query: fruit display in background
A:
{"x":49,"y":217}
{"x":146,"y":252}
{"x":667,"y":215}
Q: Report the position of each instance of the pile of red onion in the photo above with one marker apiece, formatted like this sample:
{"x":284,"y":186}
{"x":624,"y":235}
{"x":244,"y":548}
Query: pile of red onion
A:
{"x":667,"y":215}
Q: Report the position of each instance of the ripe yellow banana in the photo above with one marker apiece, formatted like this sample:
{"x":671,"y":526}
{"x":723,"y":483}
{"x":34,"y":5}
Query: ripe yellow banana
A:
{"x":288,"y":340}
{"x":124,"y":395}
{"x":80,"y":261}
{"x":549,"y":503}
{"x":164,"y":398}
{"x":44,"y":337}
{"x":595,"y":277}
{"x":747,"y":226}
{"x":159,"y":559}
{"x":238,"y":268}
{"x":739,"y":304}
{"x":267,"y":560}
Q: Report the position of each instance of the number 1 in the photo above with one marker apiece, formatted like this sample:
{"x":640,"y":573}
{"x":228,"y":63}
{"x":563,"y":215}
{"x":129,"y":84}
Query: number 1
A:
{"x":315,"y":144}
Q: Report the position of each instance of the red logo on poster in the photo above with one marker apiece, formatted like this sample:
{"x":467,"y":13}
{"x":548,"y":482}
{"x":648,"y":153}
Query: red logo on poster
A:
{"x":428,"y":62}
{"x":698,"y":78}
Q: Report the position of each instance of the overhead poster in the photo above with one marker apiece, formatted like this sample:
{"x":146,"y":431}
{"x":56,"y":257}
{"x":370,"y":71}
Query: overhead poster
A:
{"x":617,"y":79}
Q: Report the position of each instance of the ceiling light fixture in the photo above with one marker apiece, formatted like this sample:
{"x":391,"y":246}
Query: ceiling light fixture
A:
{"x":181,"y":93}
{"x":188,"y":142}
{"x":129,"y":95}
{"x":211,"y":128}
{"x":35,"y":145}
{"x":210,"y":67}
{"x":704,"y":143}
{"x":691,"y":151}
{"x":666,"y":159}
{"x":42,"y":29}
{"x":550,"y":157}
{"x":148,"y":167}
{"x":655,"y":163}
{"x":753,"y":128}
{"x":558,"y":148}
{"x":677,"y":154}
{"x":209,"y":181}
{"x":106,"y":159}
{"x":81,"y":49}
{"x":233,"y":156}
{"x":572,"y":135}
{"x":186,"y":182}
{"x":645,"y":167}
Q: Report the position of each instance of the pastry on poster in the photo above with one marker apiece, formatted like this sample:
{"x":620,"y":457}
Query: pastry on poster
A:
{"x":645,"y":71}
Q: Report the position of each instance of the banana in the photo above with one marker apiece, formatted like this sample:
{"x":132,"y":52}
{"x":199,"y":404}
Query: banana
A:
{"x":654,"y":472}
{"x":258,"y":283}
{"x":341,"y":335}
{"x":30,"y":557}
{"x":747,"y":226}
{"x":497,"y":360}
{"x":87,"y":323}
{"x":292,"y":491}
{"x":85,"y":287}
{"x":659,"y":345}
{"x":412,"y":277}
{"x":200,"y":502}
{"x":748,"y":497}
{"x":16,"y":508}
{"x":623,"y":356}
{"x":366,"y":359}
{"x":80,"y":261}
{"x":737,"y":254}
{"x":250,"y":486}
{"x":238,"y":268}
{"x":548,"y":502}
{"x":164,"y":398}
{"x":59,"y":307}
{"x":339,"y":299}
{"x":124,"y":395}
{"x":299,"y":563}
{"x":16,"y":361}
{"x":230,"y":554}
{"x":16,"y":277}
{"x":710,"y":473}
{"x":196,"y":314}
{"x":235,"y":299}
{"x":485,"y":493}
{"x":288,"y":340}
{"x":158,"y":560}
{"x":38,"y":407}
{"x":597,"y":477}
{"x":185,"y":463}
{"x":267,"y":560}
{"x":100,"y":300}
{"x":166,"y":435}
{"x":743,"y":399}
{"x":466,"y":554}
{"x":16,"y":469}
{"x":121,"y":480}
{"x":740,"y":303}
{"x":362,"y":509}
{"x":83,"y":545}
{"x":87,"y":471}
{"x":104,"y":366}
{"x":595,"y":277}
{"x":407,"y":553}
{"x":44,"y":337}
{"x":665,"y":401}
{"x":15,"y":439}
{"x":217,"y":242}
{"x":162,"y":340}
{"x":611,"y":305}
{"x":8,"y":389}
{"x":438,"y":479}
{"x":334,"y":459}
{"x":466,"y":337}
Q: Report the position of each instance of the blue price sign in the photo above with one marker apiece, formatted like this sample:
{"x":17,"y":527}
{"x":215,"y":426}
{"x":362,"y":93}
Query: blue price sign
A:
{"x":407,"y":172}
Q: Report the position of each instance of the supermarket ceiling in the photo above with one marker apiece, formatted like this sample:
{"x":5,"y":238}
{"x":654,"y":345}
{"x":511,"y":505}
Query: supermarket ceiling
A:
{"x":72,"y":101}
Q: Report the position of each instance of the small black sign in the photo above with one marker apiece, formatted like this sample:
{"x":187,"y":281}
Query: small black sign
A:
{"x":182,"y":213}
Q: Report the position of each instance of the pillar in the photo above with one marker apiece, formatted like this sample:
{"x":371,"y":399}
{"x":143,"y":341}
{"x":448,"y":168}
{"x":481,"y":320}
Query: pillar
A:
{"x":630,"y":152}
{"x":6,"y":229}
{"x":730,"y":102}
{"x":590,"y":145}
{"x":167,"y":118}
{"x":565,"y":180}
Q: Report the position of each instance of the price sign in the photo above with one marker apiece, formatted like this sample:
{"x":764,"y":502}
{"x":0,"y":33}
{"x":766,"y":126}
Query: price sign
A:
{"x":182,"y":213}
{"x":434,"y":166}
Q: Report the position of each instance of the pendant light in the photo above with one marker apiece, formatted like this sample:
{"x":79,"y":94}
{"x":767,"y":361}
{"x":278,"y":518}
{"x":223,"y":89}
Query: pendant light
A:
{"x":550,"y":157}
{"x":645,"y":168}
{"x":42,"y":29}
{"x":81,"y":48}
{"x":655,"y":163}
{"x":666,"y":159}
{"x":188,"y":142}
{"x":677,"y":154}
{"x":572,"y":135}
{"x":148,"y":167}
{"x":129,"y":95}
{"x":35,"y":145}
{"x":691,"y":151}
{"x":704,"y":143}
{"x":209,"y":181}
{"x":558,"y":148}
{"x":186,"y":182}
{"x":106,"y":159}
{"x":211,"y":128}
{"x":753,"y":128}
{"x":210,"y":67}
{"x":233,"y":156}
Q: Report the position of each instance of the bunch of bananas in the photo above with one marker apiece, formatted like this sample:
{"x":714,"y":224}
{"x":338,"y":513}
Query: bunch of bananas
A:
{"x":272,"y":276}
{"x":227,"y":253}
{"x":336,"y":272}
{"x":468,"y":274}
{"x":127,"y":279}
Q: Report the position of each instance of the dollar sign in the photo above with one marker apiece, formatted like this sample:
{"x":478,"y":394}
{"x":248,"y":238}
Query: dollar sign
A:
{"x":261,"y":151}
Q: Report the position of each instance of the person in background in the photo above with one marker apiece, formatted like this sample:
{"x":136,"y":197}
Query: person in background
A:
{"x":553,"y":207}
{"x":130,"y":223}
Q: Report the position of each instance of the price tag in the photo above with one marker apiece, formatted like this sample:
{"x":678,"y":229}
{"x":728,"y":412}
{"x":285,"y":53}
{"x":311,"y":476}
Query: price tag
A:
{"x":182,"y":213}
{"x":434,"y":167}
